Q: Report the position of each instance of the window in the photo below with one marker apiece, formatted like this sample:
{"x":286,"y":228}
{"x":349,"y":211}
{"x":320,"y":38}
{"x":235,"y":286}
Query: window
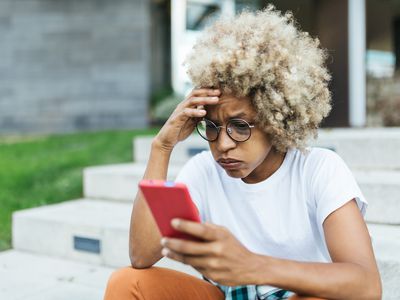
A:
{"x":199,"y":14}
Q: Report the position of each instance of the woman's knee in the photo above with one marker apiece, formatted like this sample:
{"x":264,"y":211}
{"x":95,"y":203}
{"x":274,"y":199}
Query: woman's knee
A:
{"x":123,"y":276}
{"x":122,"y":283}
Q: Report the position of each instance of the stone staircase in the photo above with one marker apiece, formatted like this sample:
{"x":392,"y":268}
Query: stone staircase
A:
{"x":95,"y":229}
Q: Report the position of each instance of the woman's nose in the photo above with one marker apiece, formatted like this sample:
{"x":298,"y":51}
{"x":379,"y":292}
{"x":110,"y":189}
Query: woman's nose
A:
{"x":224,"y":141}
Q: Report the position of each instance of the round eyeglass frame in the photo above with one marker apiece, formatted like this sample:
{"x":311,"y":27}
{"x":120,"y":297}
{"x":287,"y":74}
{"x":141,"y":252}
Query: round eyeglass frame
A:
{"x":226,"y":129}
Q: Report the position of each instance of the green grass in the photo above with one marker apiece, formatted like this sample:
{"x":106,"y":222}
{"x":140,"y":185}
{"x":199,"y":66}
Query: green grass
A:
{"x":36,"y":171}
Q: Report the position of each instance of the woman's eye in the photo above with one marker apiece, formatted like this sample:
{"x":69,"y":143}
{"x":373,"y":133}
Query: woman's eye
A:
{"x":240,"y":126}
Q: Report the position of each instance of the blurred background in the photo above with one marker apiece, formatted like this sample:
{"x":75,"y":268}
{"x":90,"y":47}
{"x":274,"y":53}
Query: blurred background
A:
{"x":68,"y":66}
{"x":81,"y":79}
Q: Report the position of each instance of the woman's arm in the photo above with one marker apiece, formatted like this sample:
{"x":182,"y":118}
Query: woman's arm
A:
{"x":144,"y":236}
{"x":353,"y":273}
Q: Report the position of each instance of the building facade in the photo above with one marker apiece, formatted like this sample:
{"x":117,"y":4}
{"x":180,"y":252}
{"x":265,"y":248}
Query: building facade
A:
{"x":74,"y":65}
{"x":362,"y":38}
{"x":95,"y":64}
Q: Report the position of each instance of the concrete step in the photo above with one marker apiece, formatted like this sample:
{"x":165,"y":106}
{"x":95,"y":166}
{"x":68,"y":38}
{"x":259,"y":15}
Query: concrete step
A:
{"x":119,"y":182}
{"x":382,"y":191}
{"x":96,"y":232}
{"x":386,"y":243}
{"x":38,"y":277}
{"x":368,"y":148}
{"x":181,"y":153}
{"x":86,"y":230}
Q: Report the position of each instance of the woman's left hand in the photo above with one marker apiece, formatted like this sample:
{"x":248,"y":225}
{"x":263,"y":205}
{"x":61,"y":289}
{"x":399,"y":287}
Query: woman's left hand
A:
{"x":220,"y":257}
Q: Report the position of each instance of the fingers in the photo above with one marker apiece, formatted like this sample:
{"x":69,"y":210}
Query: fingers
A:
{"x":184,"y":118}
{"x":185,"y":259}
{"x":193,"y":105}
{"x":198,"y":262}
{"x":189,"y":247}
{"x":204,"y":92}
{"x":198,"y":104}
{"x":194,"y":112}
{"x":200,"y":101}
{"x":205,"y":231}
{"x":201,"y":97}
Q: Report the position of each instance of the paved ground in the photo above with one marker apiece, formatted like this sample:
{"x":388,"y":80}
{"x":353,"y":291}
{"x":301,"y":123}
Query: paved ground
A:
{"x":34,"y":277}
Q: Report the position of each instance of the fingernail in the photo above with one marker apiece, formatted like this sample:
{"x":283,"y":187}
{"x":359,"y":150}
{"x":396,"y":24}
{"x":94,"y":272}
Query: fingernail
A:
{"x":175,"y":222}
{"x":164,"y":251}
{"x":163,"y":241}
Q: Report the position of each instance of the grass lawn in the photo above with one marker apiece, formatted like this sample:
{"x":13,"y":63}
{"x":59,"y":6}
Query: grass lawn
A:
{"x":40,"y":170}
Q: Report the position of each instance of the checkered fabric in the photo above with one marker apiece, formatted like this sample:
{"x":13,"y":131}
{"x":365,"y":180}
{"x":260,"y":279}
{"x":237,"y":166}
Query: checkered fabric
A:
{"x":250,"y":292}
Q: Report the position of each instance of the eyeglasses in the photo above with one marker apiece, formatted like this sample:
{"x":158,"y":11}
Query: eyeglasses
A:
{"x":237,"y":129}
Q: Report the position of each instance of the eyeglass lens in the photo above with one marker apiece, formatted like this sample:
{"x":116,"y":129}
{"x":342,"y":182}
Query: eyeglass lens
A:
{"x":238,"y":130}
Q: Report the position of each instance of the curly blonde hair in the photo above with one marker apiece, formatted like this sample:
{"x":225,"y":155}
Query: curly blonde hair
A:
{"x":263,"y":56}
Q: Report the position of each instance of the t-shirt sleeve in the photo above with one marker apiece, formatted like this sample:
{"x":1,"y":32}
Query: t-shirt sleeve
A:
{"x":193,"y":175}
{"x":333,"y":185}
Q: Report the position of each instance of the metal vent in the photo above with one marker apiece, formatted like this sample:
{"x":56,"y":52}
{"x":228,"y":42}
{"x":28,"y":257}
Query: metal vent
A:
{"x":87,"y":244}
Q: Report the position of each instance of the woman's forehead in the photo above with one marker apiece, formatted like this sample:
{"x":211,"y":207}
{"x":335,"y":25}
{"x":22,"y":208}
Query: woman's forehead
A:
{"x":229,"y":106}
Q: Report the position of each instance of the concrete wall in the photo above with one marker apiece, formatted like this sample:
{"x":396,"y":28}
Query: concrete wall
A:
{"x":71,"y":65}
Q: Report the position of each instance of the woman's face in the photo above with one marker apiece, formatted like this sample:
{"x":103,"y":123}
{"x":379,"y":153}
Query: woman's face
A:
{"x":251,"y":160}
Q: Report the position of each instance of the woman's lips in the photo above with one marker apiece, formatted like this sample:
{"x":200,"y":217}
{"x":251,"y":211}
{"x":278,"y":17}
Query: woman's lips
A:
{"x":230,"y":164}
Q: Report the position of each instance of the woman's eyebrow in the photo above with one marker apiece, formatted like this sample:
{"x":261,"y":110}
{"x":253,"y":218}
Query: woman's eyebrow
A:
{"x":239,"y":115}
{"x":236,"y":116}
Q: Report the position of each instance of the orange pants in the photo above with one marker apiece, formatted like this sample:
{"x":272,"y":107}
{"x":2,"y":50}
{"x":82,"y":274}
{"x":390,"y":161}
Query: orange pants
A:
{"x":157,"y":283}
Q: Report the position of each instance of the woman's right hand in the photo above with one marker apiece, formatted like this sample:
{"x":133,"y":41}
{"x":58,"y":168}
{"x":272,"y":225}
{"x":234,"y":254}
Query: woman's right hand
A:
{"x":184,"y":118}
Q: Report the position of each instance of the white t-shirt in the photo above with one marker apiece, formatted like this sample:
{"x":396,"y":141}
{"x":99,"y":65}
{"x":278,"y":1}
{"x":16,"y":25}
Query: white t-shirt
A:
{"x":281,"y":216}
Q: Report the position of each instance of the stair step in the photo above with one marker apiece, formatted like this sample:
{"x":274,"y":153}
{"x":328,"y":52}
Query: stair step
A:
{"x":50,"y":230}
{"x":368,"y":148}
{"x":382,"y":191}
{"x":38,"y":277}
{"x":181,"y":153}
{"x":386,"y":243}
{"x":84,"y":230}
{"x":119,"y":182}
{"x":87,"y":230}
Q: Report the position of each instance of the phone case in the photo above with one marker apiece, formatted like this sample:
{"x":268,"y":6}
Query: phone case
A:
{"x":168,"y":200}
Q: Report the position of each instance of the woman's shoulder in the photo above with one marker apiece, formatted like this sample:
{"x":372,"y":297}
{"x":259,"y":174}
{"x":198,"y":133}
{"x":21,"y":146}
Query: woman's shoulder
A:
{"x":316,"y":160}
{"x":316,"y":155}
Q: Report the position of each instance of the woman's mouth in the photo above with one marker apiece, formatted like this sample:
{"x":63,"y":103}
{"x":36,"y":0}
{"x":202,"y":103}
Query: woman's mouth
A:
{"x":229,"y":164}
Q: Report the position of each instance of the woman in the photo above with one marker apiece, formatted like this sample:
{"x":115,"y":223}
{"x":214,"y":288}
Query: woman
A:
{"x":278,"y":218}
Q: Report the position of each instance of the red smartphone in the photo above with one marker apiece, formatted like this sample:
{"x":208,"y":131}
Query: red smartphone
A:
{"x":168,"y":200}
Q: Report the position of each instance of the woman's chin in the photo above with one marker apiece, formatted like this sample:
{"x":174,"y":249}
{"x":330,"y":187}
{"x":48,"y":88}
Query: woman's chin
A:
{"x":236,"y":173}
